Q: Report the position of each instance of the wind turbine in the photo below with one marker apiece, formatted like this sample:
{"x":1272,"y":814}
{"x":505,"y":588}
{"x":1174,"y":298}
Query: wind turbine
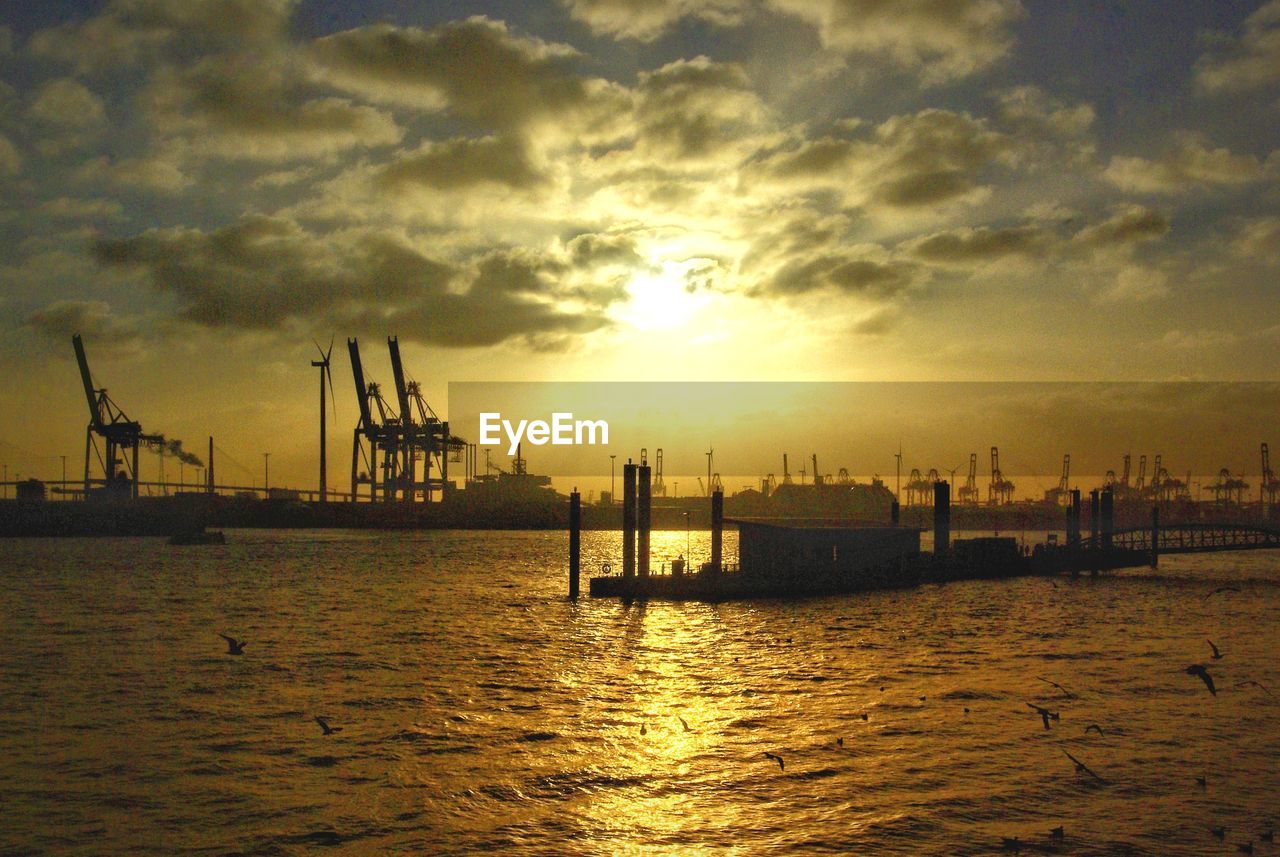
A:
{"x":325,"y":376}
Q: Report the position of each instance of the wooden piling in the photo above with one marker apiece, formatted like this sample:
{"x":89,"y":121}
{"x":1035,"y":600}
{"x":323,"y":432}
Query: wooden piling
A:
{"x":1073,"y":518}
{"x":575,"y":541}
{"x":941,"y":517}
{"x":1155,"y":536}
{"x":717,"y":530}
{"x":643,"y":498}
{"x":628,"y":519}
{"x":1108,"y":517}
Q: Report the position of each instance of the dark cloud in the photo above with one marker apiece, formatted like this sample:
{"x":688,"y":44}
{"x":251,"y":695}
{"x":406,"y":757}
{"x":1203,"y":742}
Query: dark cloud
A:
{"x":842,"y":272}
{"x":462,"y":163}
{"x":1133,"y":224}
{"x":126,"y":32}
{"x":265,"y":273}
{"x":941,"y":39}
{"x":966,"y":245}
{"x":1250,"y":62}
{"x":593,"y":249}
{"x":695,"y":108}
{"x":476,"y":69}
{"x":1192,"y":164}
{"x":645,"y":20}
{"x":61,"y":320}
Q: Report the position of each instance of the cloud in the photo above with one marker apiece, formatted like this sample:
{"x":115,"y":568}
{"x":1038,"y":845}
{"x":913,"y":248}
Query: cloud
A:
{"x":127,"y":32}
{"x":1134,"y":284}
{"x":1189,"y":166}
{"x":259,"y":106}
{"x":68,"y":208}
{"x":61,"y":320}
{"x":856,"y":270}
{"x":941,"y":39}
{"x":263,"y":273}
{"x":1259,"y":239}
{"x":695,"y":109}
{"x":475,"y":69}
{"x":1130,"y":225}
{"x":10,"y":157}
{"x":594,"y":250}
{"x":1037,"y":116}
{"x":1251,"y":62}
{"x":646,"y":20}
{"x":68,"y":104}
{"x":151,"y":174}
{"x":462,"y":163}
{"x":965,"y":246}
{"x":6,"y":41}
{"x":909,"y":161}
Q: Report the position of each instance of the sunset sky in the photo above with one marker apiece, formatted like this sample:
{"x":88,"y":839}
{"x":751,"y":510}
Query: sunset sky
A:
{"x":780,"y":190}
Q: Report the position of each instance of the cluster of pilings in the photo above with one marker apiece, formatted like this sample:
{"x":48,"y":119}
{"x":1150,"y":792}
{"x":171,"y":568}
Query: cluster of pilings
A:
{"x":637,"y":494}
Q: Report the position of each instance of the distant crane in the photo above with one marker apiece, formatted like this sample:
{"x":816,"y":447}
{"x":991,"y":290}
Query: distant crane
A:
{"x":422,"y":437}
{"x":118,"y":432}
{"x":375,"y":439}
{"x":918,"y":490}
{"x":1141,"y":484}
{"x":325,"y":376}
{"x":1001,"y":489}
{"x":659,"y":486}
{"x":1270,"y":486}
{"x":1061,"y":495}
{"x":1228,"y":489}
{"x":969,"y":492}
{"x":786,"y":474}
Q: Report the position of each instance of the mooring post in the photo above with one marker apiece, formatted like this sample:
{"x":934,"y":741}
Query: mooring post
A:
{"x":894,"y":513}
{"x":1155,"y":536}
{"x":642,"y":520}
{"x":1093,"y":516}
{"x":1108,"y":517}
{"x":941,"y":517}
{"x":628,"y":519}
{"x":717,"y":529}
{"x":575,"y":541}
{"x":1073,"y":518}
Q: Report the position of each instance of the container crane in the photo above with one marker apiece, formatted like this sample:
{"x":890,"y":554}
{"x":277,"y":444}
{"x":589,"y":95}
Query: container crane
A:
{"x":659,"y":486}
{"x":1001,"y":489}
{"x":1061,"y":495}
{"x":969,"y":492}
{"x":375,"y":440}
{"x":121,"y":436}
{"x":1269,"y":489}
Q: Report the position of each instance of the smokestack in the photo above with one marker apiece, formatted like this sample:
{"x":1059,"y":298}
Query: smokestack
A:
{"x":717,"y":530}
{"x":941,"y":517}
{"x":643,"y":499}
{"x":628,"y":519}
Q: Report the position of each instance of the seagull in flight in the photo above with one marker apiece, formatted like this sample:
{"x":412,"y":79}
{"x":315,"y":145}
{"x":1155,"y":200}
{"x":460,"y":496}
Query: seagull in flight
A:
{"x":1255,"y":684}
{"x":1045,"y":714}
{"x":1058,"y":686}
{"x":1198,"y":669}
{"x":234,"y":646}
{"x":1095,"y":727}
{"x":328,"y":730}
{"x":781,"y":765}
{"x":1081,"y":767}
{"x":1217,"y":655}
{"x":684,"y":723}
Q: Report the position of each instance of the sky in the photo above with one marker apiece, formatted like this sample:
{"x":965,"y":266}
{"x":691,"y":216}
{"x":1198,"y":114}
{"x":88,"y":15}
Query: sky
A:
{"x":610,"y":190}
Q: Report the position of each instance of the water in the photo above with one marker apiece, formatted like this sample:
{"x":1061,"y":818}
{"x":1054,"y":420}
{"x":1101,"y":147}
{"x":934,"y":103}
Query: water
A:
{"x":482,"y":712}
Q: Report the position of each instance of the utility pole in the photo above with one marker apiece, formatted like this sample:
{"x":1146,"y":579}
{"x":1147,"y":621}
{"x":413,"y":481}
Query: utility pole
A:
{"x":897,"y":483}
{"x":64,"y":471}
{"x":266,"y":485}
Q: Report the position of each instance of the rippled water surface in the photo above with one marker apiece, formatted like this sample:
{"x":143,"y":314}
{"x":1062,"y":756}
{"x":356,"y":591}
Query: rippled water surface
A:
{"x":483,"y":712}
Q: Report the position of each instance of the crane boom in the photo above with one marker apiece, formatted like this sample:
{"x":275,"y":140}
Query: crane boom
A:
{"x":397,"y":373}
{"x":357,"y":371}
{"x":91,"y":395}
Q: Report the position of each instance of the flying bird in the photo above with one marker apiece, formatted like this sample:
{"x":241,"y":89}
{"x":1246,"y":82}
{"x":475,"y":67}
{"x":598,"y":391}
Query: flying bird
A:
{"x":1198,"y":669}
{"x":328,"y":730}
{"x":1045,"y":714}
{"x":781,"y":765}
{"x":1217,"y":655}
{"x":684,"y":723}
{"x":1255,"y":684}
{"x":234,"y":646}
{"x":1095,"y":727}
{"x":1058,"y":686}
{"x":1081,"y":767}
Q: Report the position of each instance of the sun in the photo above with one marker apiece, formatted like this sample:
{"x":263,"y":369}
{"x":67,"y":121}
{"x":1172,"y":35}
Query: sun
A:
{"x":661,"y":297}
